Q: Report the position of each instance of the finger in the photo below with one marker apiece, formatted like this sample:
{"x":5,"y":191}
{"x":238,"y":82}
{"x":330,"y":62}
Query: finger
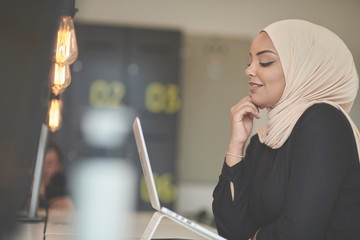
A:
{"x":248,"y":112}
{"x":245,"y":100}
{"x":244,"y":108}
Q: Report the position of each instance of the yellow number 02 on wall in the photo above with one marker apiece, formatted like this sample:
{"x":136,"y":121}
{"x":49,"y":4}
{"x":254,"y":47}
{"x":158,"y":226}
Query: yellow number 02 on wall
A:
{"x":162,"y":98}
{"x":104,"y":93}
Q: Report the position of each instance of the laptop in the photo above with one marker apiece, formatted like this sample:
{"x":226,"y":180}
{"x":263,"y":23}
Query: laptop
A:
{"x":154,"y":198}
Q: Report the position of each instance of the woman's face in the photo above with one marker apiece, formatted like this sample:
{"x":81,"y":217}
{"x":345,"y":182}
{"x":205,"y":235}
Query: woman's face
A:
{"x":265,"y":73}
{"x":52,"y":165}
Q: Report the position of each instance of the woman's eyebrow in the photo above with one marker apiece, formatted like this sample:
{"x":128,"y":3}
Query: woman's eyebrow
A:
{"x":265,"y":51}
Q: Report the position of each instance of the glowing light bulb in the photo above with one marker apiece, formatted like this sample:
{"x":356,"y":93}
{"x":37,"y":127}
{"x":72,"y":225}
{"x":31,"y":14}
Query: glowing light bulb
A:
{"x":66,"y":49}
{"x":54,"y":115}
{"x":59,"y":77}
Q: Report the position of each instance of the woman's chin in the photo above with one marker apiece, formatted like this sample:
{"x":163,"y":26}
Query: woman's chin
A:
{"x":261,"y":104}
{"x":257,"y":103}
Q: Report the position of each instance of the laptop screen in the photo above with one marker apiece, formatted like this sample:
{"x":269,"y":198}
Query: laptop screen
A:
{"x":145,"y":164}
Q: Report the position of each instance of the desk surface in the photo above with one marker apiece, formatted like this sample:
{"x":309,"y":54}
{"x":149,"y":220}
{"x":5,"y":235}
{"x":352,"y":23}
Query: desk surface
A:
{"x":60,"y":227}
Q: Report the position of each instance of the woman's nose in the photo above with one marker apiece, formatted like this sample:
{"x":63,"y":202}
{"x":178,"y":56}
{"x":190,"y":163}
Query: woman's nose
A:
{"x":250,"y":71}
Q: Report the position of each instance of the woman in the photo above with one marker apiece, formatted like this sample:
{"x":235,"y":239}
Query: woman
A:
{"x":300,"y":176}
{"x":53,"y":192}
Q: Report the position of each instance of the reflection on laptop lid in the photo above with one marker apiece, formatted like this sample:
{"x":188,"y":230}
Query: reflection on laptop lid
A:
{"x":145,"y":164}
{"x":154,"y":198}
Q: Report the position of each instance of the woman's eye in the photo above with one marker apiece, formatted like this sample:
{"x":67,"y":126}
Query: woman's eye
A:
{"x":266,"y":63}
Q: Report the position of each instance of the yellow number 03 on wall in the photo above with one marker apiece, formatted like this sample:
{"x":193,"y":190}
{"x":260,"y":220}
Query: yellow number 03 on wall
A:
{"x":162,"y":98}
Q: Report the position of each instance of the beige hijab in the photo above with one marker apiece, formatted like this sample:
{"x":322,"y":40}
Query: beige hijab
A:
{"x":318,"y":68}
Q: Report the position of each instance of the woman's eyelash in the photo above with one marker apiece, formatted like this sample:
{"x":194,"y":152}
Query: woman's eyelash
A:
{"x":262,"y":64}
{"x":266,"y":64}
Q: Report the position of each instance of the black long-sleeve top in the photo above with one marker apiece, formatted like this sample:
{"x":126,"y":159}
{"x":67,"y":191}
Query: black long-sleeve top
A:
{"x":309,"y":189}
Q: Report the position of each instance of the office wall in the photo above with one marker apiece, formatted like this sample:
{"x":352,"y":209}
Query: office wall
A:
{"x":133,"y":67}
{"x":213,"y":80}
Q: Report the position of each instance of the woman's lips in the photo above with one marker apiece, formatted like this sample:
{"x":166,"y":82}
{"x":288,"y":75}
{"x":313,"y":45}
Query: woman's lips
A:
{"x":254,"y":86}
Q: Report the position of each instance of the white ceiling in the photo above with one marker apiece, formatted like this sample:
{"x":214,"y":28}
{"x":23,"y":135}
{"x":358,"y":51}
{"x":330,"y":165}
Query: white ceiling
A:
{"x":226,"y":17}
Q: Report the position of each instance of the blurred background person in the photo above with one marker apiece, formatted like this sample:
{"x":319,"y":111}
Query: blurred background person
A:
{"x":53,"y":190}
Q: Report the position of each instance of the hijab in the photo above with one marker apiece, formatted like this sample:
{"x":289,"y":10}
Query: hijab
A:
{"x":318,"y":68}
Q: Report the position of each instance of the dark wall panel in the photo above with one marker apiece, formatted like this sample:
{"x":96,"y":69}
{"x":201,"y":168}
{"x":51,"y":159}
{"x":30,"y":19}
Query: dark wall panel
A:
{"x":137,"y":68}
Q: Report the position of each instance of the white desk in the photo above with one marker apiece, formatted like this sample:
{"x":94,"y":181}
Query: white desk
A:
{"x":29,"y":231}
{"x":59,"y":227}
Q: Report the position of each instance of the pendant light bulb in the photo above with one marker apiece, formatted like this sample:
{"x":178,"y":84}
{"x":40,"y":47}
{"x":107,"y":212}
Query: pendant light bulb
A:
{"x":54,"y":118}
{"x":66,"y":49}
{"x":59,"y":77}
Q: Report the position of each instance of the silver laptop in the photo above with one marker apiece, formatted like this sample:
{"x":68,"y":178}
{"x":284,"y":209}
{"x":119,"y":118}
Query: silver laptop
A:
{"x":154,"y":198}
